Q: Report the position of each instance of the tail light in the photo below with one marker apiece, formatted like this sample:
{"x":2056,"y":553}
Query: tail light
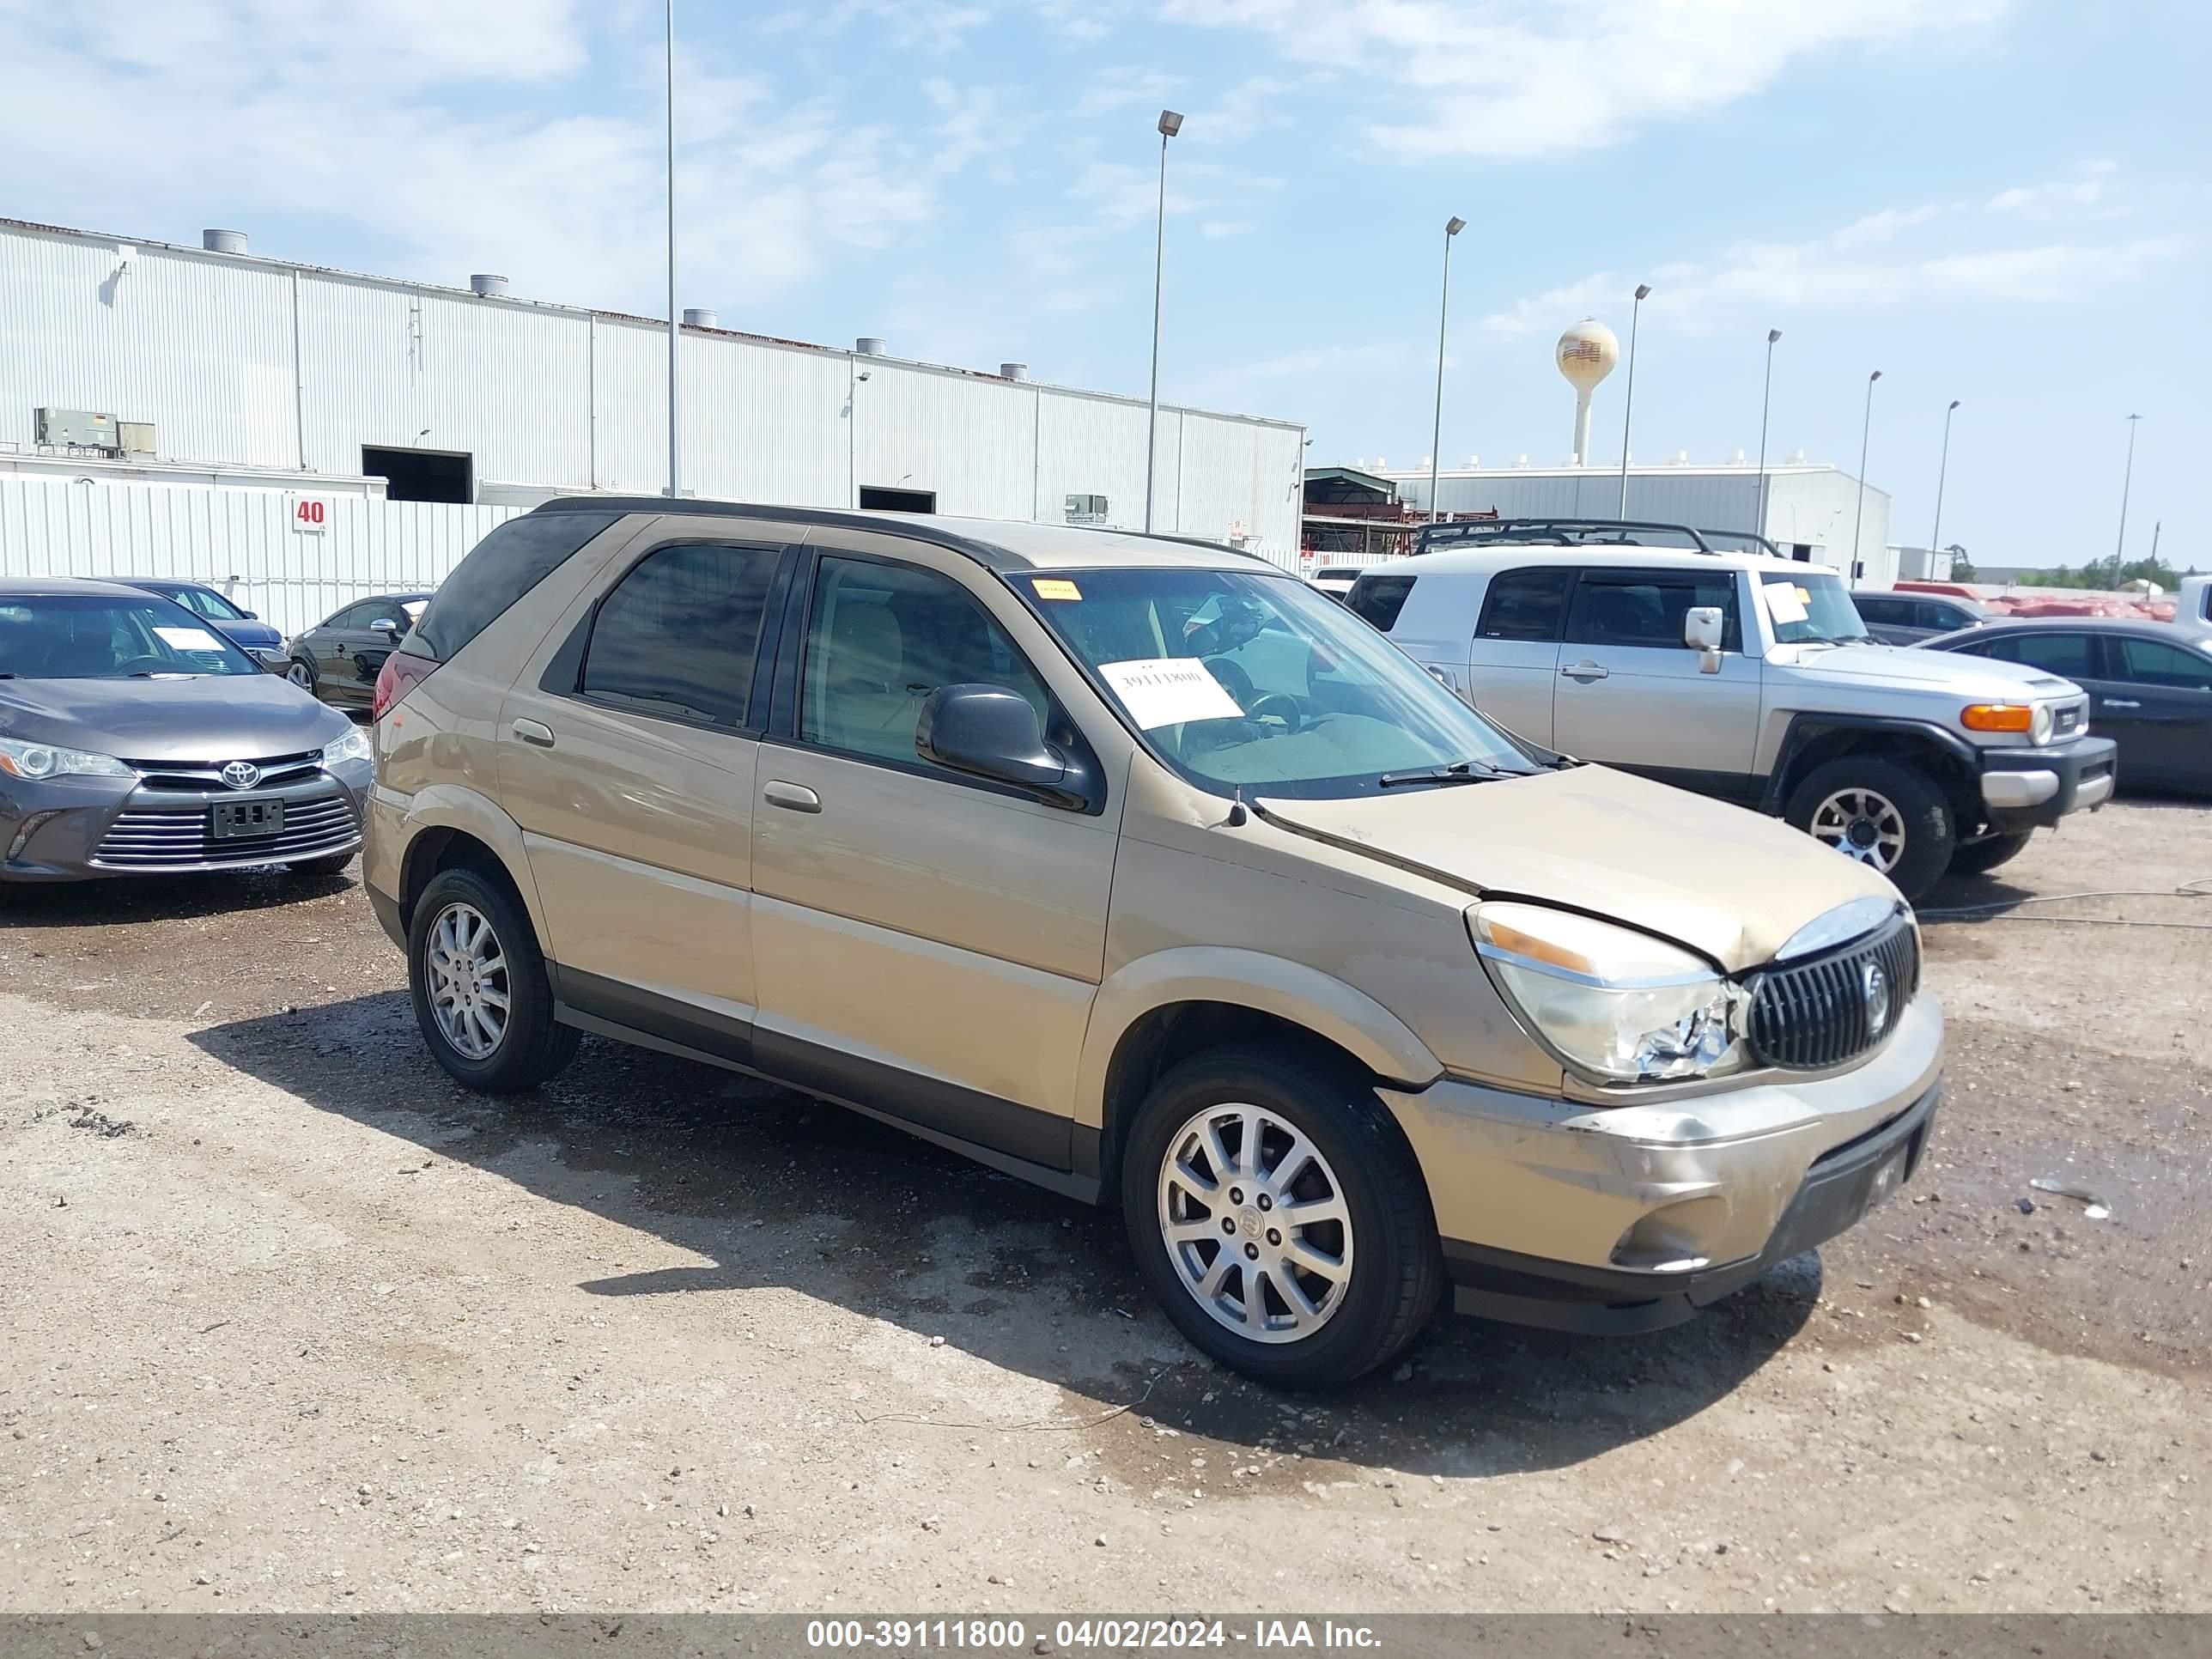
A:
{"x":401,"y":673}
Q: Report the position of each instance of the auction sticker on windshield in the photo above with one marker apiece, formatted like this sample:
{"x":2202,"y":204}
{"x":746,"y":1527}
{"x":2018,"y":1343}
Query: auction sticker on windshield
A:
{"x":187,"y":639}
{"x":1785,"y":601}
{"x":1169,"y":690}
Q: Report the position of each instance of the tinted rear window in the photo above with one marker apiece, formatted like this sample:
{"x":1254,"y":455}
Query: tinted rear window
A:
{"x":1525,"y":605}
{"x":500,"y":568}
{"x":1378,"y":599}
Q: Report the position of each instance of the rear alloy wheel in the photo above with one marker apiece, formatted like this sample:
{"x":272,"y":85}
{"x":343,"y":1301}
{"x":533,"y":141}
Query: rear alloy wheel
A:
{"x":1279,"y":1218}
{"x":1886,"y":816}
{"x":300,"y":675}
{"x":481,"y":997}
{"x":1979,"y":858}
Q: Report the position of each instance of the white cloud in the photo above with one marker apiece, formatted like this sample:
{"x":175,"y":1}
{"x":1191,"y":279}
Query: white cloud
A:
{"x":1510,"y":78}
{"x":2089,"y":192}
{"x":1893,"y":257}
{"x":467,"y":138}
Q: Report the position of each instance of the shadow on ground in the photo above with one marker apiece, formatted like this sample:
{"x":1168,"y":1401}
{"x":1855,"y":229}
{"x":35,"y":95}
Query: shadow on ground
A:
{"x":123,"y":902}
{"x":776,"y":1189}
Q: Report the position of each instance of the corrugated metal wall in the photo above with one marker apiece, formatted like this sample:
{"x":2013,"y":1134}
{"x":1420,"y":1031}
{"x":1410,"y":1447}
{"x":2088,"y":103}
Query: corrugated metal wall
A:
{"x":240,"y":541}
{"x":243,"y":362}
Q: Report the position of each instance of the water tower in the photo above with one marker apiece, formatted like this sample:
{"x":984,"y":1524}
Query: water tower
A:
{"x":1586,"y":353}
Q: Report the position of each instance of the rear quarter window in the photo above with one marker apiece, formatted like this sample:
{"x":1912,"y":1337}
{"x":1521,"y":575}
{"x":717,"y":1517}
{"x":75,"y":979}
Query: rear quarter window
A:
{"x":1377,"y":600}
{"x":499,"y":570}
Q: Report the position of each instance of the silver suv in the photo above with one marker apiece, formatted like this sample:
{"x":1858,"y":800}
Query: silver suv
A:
{"x":1711,"y":662}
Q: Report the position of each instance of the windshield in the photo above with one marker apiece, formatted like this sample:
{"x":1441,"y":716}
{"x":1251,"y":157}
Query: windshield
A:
{"x":1241,"y":681}
{"x":57,"y":636}
{"x":207,"y":602}
{"x":1810,"y":609}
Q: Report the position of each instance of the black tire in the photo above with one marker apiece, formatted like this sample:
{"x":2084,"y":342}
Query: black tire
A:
{"x":1396,"y":1270}
{"x":533,"y":1045}
{"x":1922,"y":814}
{"x":1979,"y":858}
{"x":316,"y":869}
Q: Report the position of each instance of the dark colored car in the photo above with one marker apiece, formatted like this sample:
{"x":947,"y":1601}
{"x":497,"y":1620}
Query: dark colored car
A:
{"x":2149,"y":686}
{"x":1901,"y":618}
{"x":136,"y":740}
{"x":340,"y":657}
{"x":260,"y":641}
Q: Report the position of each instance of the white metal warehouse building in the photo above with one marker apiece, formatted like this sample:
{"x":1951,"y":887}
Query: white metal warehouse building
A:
{"x":1813,"y":511}
{"x":227,"y":375}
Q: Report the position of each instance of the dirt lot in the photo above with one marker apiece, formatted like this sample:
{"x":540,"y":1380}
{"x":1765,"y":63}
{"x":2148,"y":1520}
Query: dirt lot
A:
{"x":292,"y":1323}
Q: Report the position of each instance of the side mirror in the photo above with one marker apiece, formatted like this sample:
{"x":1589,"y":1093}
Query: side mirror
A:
{"x":990,"y":731}
{"x":385,"y":626}
{"x":1703,"y":627}
{"x":250,"y":616}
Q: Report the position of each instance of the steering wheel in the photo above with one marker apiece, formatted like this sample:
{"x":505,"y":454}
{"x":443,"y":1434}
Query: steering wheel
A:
{"x":1234,"y":680}
{"x":145,"y":666}
{"x":1279,"y":706}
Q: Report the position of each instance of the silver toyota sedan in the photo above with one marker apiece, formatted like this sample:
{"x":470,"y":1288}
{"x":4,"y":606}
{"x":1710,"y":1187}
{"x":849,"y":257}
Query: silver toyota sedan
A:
{"x":136,"y":740}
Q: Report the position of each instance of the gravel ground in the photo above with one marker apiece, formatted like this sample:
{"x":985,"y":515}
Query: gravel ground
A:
{"x":291,"y":1323}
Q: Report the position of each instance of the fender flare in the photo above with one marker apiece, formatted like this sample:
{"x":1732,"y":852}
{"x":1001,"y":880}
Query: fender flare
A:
{"x":1804,"y":729}
{"x":1323,"y":1005}
{"x":449,"y":806}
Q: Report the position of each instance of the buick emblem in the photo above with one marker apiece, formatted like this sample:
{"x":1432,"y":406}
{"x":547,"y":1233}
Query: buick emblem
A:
{"x":1874,"y":986}
{"x":241,"y":775}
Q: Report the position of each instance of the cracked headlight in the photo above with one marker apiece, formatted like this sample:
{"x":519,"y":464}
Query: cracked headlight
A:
{"x":1617,"y":1005}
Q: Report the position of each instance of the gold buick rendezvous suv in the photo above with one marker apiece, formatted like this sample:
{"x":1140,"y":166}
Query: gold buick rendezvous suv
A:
{"x":1139,"y":870}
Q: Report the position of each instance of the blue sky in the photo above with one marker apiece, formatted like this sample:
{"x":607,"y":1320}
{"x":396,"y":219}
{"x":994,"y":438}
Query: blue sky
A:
{"x":2000,"y":201}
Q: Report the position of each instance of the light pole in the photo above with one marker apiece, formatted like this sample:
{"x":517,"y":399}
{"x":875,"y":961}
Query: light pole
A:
{"x":675,"y":317}
{"x":1942,"y":466}
{"x":1453,"y":226}
{"x":1866,"y":432}
{"x":2126,"y":482}
{"x":1628,"y":407}
{"x":1766,"y":398}
{"x":1169,"y":125}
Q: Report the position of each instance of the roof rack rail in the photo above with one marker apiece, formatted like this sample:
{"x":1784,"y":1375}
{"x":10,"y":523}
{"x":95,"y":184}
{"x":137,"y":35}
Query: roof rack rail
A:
{"x":1584,"y":532}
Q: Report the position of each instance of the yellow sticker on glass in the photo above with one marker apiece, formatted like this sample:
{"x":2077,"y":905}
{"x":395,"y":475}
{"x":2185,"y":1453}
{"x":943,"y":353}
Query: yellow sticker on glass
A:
{"x":1052,"y":587}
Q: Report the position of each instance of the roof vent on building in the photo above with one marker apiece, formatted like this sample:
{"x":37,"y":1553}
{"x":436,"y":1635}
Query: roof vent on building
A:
{"x":487,"y":287}
{"x":1681,"y":457}
{"x":1738,"y":461}
{"x":701,"y":317}
{"x":869,"y":345}
{"x":223,"y":241}
{"x":1474,"y":463}
{"x":1013,"y":371}
{"x":1797,"y":458}
{"x":1520,"y":460}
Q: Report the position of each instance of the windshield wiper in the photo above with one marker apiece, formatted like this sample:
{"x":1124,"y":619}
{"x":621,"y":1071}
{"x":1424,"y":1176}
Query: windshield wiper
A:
{"x":1457,"y":772}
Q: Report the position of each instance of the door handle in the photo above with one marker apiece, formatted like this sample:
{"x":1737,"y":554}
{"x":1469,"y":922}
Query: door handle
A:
{"x":531,"y":732}
{"x":2121,"y":702}
{"x":1586,"y":671}
{"x":792,"y":797}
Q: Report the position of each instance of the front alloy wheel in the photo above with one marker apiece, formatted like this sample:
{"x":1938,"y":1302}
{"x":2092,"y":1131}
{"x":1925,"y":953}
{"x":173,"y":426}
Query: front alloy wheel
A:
{"x":1279,"y":1215}
{"x":301,"y":675}
{"x":1255,"y":1223}
{"x":468,"y":981}
{"x":1863,"y":825}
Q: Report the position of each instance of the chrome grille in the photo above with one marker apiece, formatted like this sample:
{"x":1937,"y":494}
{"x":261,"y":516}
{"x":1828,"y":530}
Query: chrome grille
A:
{"x":168,"y":838}
{"x":208,"y":774}
{"x":1814,"y":1014}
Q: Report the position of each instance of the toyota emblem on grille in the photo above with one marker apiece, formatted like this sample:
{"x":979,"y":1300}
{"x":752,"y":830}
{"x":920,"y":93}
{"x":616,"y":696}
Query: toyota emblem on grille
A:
{"x":241,"y":775}
{"x":1874,"y":986}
